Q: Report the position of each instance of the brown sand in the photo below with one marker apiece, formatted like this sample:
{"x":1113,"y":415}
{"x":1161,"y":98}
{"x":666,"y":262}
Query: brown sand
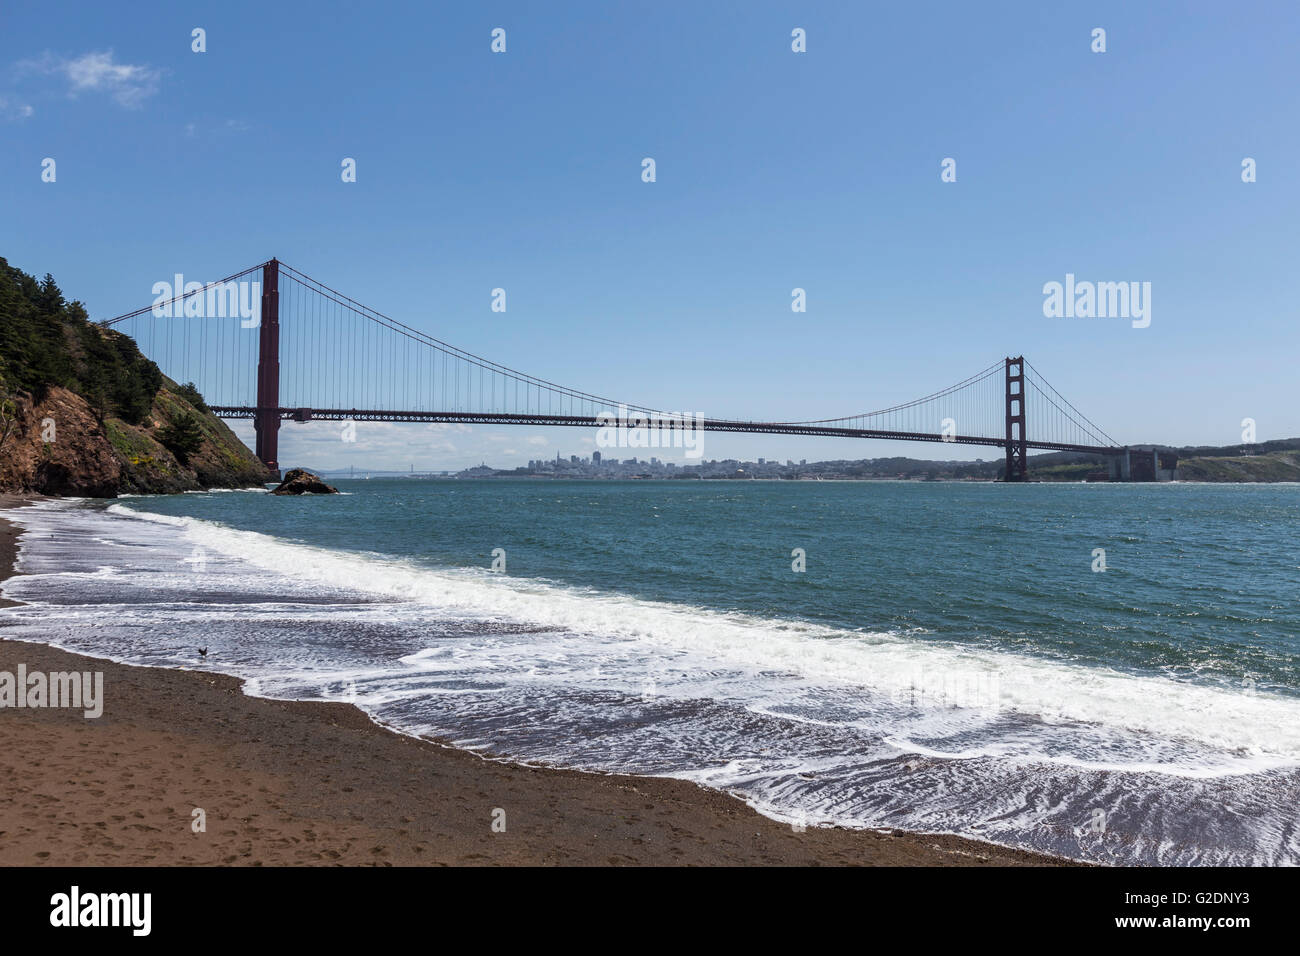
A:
{"x":9,"y":541}
{"x":315,"y":783}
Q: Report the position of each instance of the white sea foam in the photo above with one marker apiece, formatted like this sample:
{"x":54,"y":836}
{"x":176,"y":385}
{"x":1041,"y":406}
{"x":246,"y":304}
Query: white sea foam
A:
{"x":1255,"y":730}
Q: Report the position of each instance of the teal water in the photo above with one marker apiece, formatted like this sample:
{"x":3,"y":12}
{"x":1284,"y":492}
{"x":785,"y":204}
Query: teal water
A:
{"x":949,"y":660}
{"x":1202,"y":581}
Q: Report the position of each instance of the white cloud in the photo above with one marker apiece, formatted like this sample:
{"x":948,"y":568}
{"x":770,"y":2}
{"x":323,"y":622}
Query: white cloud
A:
{"x":128,"y":84}
{"x":214,"y":128}
{"x":11,"y":108}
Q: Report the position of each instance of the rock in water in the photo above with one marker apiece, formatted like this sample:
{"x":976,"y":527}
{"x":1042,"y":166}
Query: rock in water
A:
{"x":299,"y":481}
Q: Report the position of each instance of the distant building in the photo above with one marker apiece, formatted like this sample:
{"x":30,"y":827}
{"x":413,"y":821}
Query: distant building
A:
{"x":595,"y":458}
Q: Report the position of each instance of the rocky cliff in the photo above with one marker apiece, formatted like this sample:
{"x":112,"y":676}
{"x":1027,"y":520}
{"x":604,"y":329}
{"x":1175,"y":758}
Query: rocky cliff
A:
{"x":82,"y":412}
{"x":58,"y":446}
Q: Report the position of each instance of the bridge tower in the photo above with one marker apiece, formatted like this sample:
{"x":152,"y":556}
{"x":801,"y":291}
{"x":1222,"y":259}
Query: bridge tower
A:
{"x":1017,"y":461}
{"x":266,"y":421}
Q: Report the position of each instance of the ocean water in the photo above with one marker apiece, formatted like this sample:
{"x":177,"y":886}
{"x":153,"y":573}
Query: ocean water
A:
{"x":949,"y":661}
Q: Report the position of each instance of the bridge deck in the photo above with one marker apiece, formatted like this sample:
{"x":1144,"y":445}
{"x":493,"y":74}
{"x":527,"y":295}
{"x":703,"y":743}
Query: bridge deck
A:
{"x":584,"y":421}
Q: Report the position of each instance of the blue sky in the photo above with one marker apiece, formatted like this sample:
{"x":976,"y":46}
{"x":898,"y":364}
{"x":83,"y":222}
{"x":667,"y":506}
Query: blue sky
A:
{"x":775,"y":170}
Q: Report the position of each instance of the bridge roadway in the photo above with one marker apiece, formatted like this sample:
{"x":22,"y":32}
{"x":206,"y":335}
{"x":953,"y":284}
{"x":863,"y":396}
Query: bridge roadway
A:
{"x":585,"y":421}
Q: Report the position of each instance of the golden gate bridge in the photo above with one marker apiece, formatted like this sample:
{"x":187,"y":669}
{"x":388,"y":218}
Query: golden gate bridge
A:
{"x":309,"y":352}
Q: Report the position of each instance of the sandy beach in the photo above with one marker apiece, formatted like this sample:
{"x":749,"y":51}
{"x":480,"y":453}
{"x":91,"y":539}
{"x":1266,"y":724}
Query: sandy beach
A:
{"x":320,"y":783}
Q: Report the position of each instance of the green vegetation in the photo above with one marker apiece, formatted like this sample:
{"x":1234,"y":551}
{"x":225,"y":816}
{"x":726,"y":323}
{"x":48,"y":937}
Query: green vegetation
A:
{"x":8,"y":416}
{"x":130,"y":443}
{"x":1273,"y":466}
{"x":1074,"y":472}
{"x":46,"y":341}
{"x":189,"y":391}
{"x":182,"y":437}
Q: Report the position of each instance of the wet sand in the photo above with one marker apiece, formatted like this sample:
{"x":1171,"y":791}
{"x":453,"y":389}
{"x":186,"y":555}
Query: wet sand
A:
{"x":283,"y":782}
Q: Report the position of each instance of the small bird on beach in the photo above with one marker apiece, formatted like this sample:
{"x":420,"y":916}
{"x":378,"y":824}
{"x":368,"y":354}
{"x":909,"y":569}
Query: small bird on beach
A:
{"x":203,"y":652}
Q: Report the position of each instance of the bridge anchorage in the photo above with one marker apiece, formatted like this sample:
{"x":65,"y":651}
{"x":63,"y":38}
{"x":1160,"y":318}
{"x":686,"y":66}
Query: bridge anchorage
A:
{"x":322,"y":355}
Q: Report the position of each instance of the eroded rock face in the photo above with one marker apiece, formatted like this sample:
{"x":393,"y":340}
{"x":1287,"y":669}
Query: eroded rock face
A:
{"x":57,"y":447}
{"x":299,"y":481}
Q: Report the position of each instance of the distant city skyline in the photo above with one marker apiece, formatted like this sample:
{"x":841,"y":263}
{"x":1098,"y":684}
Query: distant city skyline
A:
{"x":598,"y":465}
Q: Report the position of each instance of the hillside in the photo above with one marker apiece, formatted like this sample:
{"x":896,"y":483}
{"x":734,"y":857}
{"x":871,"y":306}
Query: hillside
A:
{"x":1272,"y":466}
{"x":1276,"y":460}
{"x":82,"y":412}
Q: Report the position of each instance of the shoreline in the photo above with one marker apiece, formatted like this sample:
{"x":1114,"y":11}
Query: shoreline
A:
{"x":318,"y":783}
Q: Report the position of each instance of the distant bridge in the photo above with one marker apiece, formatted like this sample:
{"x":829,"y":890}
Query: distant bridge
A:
{"x":339,"y":360}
